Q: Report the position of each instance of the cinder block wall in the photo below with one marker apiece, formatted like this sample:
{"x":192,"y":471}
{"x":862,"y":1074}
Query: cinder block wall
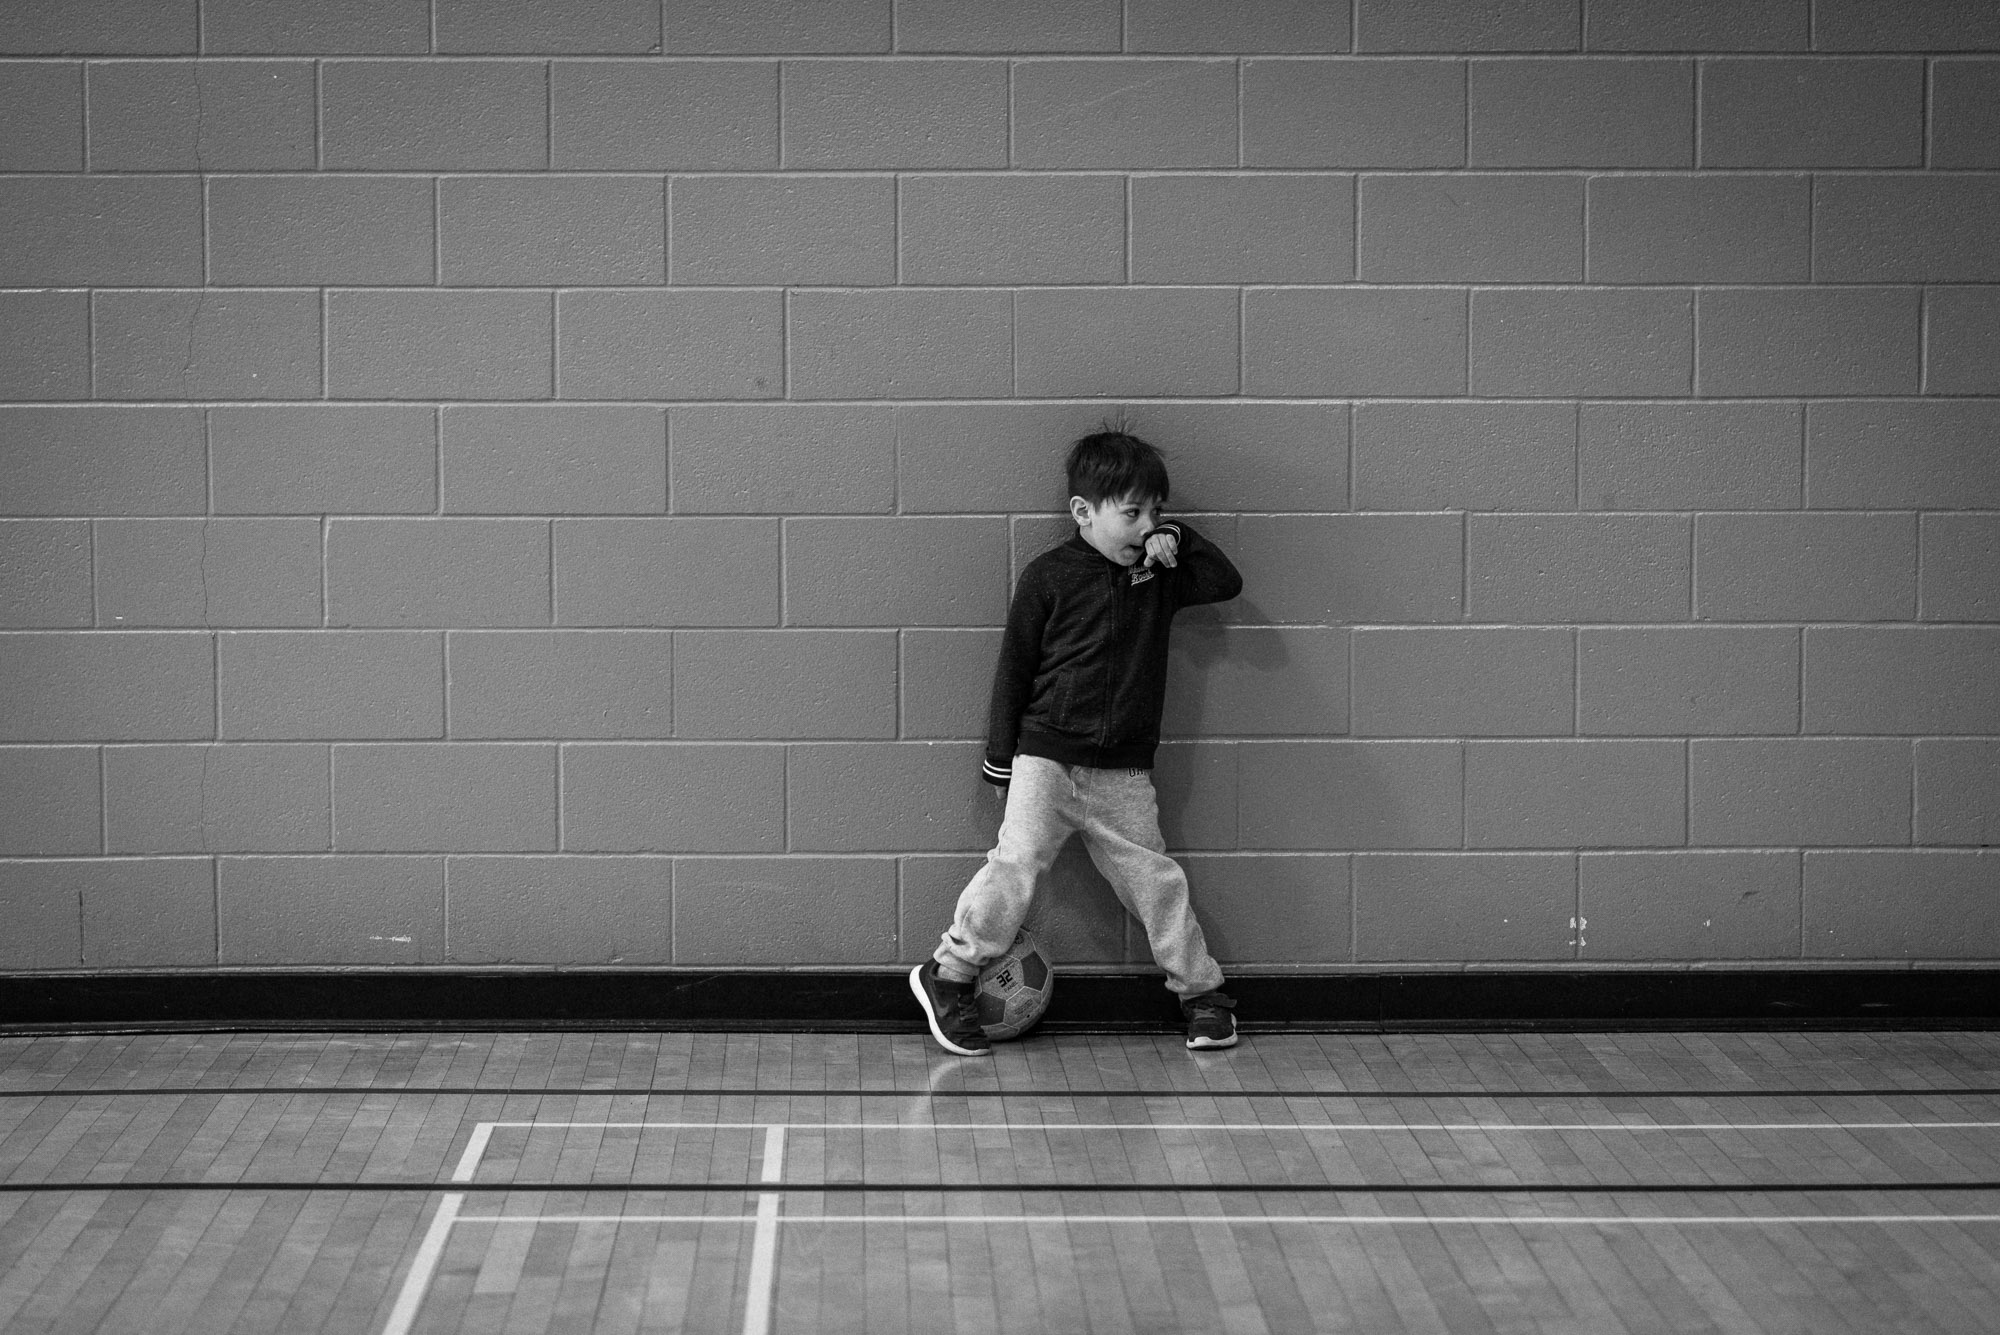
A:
{"x":489,"y":481}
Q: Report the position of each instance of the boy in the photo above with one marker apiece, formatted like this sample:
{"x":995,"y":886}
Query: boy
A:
{"x":1070,"y":736}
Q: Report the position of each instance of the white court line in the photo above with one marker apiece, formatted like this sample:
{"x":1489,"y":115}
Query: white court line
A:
{"x":915,"y":1220}
{"x":475,"y":1150}
{"x":404,"y":1313}
{"x":1273,"y":1126}
{"x":764,"y":1246}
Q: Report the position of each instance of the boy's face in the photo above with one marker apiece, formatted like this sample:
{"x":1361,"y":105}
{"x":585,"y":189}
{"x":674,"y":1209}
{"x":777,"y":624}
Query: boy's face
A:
{"x":1117,"y":527}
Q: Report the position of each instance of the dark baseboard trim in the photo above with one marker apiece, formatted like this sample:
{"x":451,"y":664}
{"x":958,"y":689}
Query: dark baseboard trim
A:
{"x":874,"y":1001}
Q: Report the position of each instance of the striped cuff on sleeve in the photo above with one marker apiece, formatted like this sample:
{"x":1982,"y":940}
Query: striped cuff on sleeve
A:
{"x":1000,"y":775}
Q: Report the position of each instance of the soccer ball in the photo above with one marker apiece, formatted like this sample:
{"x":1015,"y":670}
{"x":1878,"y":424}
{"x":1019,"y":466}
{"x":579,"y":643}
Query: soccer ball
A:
{"x":1014,"y":990}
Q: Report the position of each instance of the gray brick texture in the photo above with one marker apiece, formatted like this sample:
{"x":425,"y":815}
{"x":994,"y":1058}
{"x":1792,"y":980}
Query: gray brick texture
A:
{"x":486,"y":482}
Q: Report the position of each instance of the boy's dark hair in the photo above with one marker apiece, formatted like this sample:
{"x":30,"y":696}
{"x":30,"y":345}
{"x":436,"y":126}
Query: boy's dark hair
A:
{"x":1111,"y":464}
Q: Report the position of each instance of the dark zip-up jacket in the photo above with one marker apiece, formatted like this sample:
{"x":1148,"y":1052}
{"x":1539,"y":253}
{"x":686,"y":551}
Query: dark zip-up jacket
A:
{"x":1083,"y":664}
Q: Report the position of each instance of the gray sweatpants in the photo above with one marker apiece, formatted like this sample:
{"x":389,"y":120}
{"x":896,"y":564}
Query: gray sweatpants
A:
{"x":1119,"y":815}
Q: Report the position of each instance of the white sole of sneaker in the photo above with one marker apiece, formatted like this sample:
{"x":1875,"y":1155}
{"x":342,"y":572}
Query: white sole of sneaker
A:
{"x":937,"y":1030}
{"x":1199,"y":1044}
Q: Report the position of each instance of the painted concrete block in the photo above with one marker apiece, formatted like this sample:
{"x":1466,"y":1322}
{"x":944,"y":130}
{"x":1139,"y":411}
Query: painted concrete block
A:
{"x":103,"y":27}
{"x":560,"y":910}
{"x":1900,"y":904}
{"x":324,"y":459}
{"x":979,"y":458}
{"x":1812,"y":113}
{"x":903,"y":571}
{"x":552,"y":459}
{"x":1324,"y":342}
{"x":436,"y":797}
{"x":909,"y":115}
{"x":779,"y":229}
{"x":180,"y":115}
{"x":1464,"y":683}
{"x":41,"y":104}
{"x":1124,"y":114}
{"x":1958,"y":792}
{"x":1805,"y":567}
{"x":596,"y":27}
{"x":423,"y":115}
{"x":1600,"y":343}
{"x":330,"y":910}
{"x":559,"y":685}
{"x":667,"y":572}
{"x":1481,"y":25}
{"x":654,"y":115}
{"x":1248,"y":456}
{"x":437,"y":572}
{"x":887,"y":797}
{"x":1197,"y":789}
{"x":1342,"y":795}
{"x":206,"y":345}
{"x":1243,"y":229}
{"x":90,"y":460}
{"x":1470,"y":228}
{"x":1472,"y":456}
{"x":1012,"y":229}
{"x":737,"y":26}
{"x":333,"y":685}
{"x":946,"y":681}
{"x":1798,"y":790}
{"x":100,"y":231}
{"x":159,"y":912}
{"x":50,"y":803}
{"x":1076,"y":916}
{"x":1959,"y":568}
{"x":673,"y":799}
{"x":44,"y":573}
{"x":1293,"y":910}
{"x":1581,"y":794}
{"x":1465,"y":906}
{"x":75,"y":686}
{"x":671,"y":345}
{"x":1257,"y":682}
{"x":1568,"y":113}
{"x":439,"y":345}
{"x":508,"y":231}
{"x":1300,"y":26}
{"x":900,"y":344}
{"x":314,"y":231}
{"x":776,"y":910}
{"x":1921,"y":25}
{"x":1027,"y":26}
{"x":1700,"y":229}
{"x":1922,"y":455}
{"x":1343,"y":114}
{"x":1164,"y":342}
{"x":1320,"y":569}
{"x":1703,"y":25}
{"x":44,"y":915}
{"x":1687,"y":680}
{"x":44,"y":345}
{"x":1688,"y":906}
{"x":1962,"y":340}
{"x":784,"y":684}
{"x":208,"y":572}
{"x":759,"y":459}
{"x":1906,"y":228}
{"x":1965,"y":114}
{"x":1759,"y":342}
{"x":1943,"y":680}
{"x":338,"y":27}
{"x":237,"y":798}
{"x":1564,"y":568}
{"x":1689,"y":456}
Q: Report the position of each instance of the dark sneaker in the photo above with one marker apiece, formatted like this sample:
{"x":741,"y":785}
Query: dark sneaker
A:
{"x":1210,"y":1025}
{"x":953,"y":1014}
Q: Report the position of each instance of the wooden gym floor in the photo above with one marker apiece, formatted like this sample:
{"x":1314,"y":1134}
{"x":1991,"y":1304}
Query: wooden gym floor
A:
{"x":1809,"y":1182}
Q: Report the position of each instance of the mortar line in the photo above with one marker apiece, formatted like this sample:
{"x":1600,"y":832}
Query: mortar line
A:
{"x":319,"y":115}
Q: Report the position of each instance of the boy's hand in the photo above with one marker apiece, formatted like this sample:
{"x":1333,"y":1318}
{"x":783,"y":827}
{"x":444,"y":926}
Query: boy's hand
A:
{"x":1162,"y":547}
